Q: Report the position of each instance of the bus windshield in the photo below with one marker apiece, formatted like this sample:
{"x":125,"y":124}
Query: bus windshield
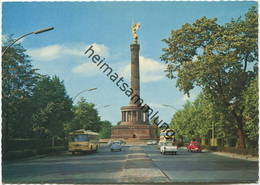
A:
{"x":78,"y":138}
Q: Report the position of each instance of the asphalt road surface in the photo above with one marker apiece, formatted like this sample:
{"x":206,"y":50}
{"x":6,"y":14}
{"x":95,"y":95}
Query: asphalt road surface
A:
{"x":135,"y":164}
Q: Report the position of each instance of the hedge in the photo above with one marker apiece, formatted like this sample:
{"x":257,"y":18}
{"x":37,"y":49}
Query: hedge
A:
{"x":19,"y":154}
{"x":246,"y":151}
{"x":31,"y":144}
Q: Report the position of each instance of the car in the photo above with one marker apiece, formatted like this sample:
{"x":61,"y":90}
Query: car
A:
{"x":122,"y":142}
{"x":168,"y":147}
{"x":154,"y":142}
{"x":149,"y":142}
{"x":194,"y":146}
{"x":116,"y":146}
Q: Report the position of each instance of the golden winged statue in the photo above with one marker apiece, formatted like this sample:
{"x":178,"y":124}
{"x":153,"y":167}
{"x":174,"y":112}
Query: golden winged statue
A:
{"x":134,"y":28}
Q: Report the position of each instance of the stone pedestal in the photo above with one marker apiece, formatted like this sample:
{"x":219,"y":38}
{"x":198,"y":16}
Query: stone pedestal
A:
{"x":134,"y":132}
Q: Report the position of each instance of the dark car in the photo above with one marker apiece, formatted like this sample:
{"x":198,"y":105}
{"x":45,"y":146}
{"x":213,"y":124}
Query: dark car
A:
{"x":194,"y":146}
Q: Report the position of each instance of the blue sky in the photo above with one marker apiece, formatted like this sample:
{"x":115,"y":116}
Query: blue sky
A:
{"x":106,"y":26}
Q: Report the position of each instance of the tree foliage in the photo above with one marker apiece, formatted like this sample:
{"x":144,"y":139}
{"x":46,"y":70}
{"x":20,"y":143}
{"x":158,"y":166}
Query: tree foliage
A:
{"x":52,"y":106}
{"x":251,"y":112}
{"x":198,"y":119}
{"x":216,"y":58}
{"x":85,"y":117}
{"x":18,"y":81}
{"x":105,"y":131}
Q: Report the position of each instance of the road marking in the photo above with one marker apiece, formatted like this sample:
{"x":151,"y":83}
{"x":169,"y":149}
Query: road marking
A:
{"x":140,"y":168}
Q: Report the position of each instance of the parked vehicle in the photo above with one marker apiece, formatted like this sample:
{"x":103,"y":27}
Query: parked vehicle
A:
{"x":152,"y":142}
{"x":116,"y":146}
{"x":168,"y":147}
{"x":194,"y":146}
{"x":122,"y":142}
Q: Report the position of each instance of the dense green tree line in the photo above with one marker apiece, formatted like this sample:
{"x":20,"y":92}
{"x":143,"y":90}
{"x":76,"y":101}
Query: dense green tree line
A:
{"x":38,"y":106}
{"x":223,"y":61}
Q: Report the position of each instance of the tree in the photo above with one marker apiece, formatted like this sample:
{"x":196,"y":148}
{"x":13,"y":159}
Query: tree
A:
{"x":18,"y":80}
{"x":52,"y":105}
{"x":197,"y":119}
{"x":85,"y":117}
{"x":250,"y":114}
{"x":105,"y":131}
{"x":182,"y":123}
{"x":216,"y":58}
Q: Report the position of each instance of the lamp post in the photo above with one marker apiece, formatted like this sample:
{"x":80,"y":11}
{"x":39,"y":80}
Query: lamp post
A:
{"x":34,"y":32}
{"x":165,"y":105}
{"x":213,"y":139}
{"x":106,"y":106}
{"x":92,"y":89}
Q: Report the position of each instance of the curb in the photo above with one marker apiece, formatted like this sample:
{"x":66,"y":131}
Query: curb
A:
{"x":236,"y":156}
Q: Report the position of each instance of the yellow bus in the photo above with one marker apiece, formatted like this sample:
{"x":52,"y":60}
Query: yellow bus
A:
{"x":83,"y":141}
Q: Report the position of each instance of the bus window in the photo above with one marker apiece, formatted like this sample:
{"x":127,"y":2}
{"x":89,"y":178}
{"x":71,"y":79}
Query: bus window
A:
{"x":78,"y":138}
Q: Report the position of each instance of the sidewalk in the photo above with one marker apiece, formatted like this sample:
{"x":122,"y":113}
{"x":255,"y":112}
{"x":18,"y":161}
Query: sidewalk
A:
{"x":236,"y":156}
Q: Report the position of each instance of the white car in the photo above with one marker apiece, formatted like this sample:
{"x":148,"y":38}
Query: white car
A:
{"x":159,"y":145}
{"x":152,"y":142}
{"x":168,"y":147}
{"x":116,"y":146}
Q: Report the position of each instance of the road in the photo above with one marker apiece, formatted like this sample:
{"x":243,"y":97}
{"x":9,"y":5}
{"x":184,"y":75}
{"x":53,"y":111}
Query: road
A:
{"x":135,"y":164}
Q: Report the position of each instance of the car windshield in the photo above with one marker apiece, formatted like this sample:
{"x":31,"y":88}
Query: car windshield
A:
{"x":168,"y":144}
{"x":78,"y":138}
{"x":117,"y":143}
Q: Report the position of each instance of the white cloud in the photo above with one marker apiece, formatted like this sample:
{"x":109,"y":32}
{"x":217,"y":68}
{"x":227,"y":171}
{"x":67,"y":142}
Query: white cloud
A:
{"x":46,"y":53}
{"x":150,"y":70}
{"x":5,"y":38}
{"x":86,"y":69}
{"x":100,"y":49}
{"x":191,"y":98}
{"x":53,"y":52}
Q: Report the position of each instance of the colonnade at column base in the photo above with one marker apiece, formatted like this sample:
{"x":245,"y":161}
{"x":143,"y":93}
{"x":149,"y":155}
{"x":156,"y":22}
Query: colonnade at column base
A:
{"x":133,"y":114}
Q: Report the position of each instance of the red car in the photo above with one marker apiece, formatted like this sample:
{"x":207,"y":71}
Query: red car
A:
{"x":194,"y":146}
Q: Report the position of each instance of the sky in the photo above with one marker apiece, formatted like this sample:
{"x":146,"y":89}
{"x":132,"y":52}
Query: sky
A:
{"x":106,"y":26}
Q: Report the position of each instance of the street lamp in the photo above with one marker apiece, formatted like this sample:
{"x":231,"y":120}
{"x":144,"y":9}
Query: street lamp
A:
{"x":213,"y":139}
{"x":165,"y":105}
{"x":106,"y":106}
{"x":34,"y":32}
{"x":92,"y":89}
